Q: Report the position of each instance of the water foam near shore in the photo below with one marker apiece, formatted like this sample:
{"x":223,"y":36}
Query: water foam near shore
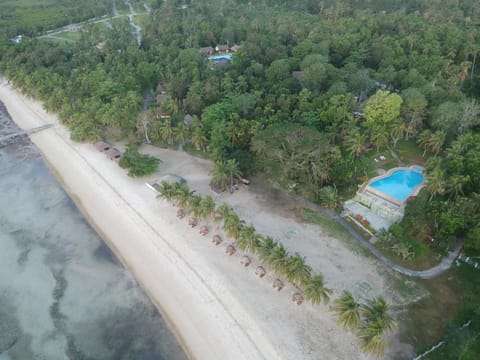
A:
{"x":63,"y":294}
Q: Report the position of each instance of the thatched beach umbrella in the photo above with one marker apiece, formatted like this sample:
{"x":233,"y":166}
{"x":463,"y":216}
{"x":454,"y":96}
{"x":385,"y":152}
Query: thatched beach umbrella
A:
{"x":180,"y":213}
{"x":102,"y":146}
{"x":260,"y":271}
{"x":245,"y":260}
{"x":193,"y":222}
{"x":278,"y":284}
{"x":217,"y":240}
{"x":230,"y":250}
{"x":204,"y":230}
{"x":297,"y":298}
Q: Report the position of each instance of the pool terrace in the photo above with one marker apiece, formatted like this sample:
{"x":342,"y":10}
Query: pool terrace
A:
{"x":374,"y":209}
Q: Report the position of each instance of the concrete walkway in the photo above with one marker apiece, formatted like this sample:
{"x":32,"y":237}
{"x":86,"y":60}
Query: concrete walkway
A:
{"x":444,"y":265}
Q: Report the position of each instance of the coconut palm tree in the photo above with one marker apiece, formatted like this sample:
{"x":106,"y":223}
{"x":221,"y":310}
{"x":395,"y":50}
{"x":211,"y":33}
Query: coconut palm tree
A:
{"x":180,"y":133}
{"x":455,"y":184}
{"x":435,"y":183}
{"x":232,"y":170}
{"x":165,"y":191}
{"x":297,"y":270}
{"x":182,"y":195}
{"x":220,"y":176}
{"x":265,"y":248}
{"x":371,"y":339}
{"x":353,"y":143}
{"x":278,"y":259}
{"x":208,"y":207}
{"x":348,"y":310}
{"x":222,"y":212}
{"x":166,"y":131}
{"x":315,"y":291}
{"x":198,"y":138}
{"x":248,"y":239}
{"x":232,"y":225}
{"x":377,"y":311}
{"x":328,"y":197}
{"x":436,"y":141}
{"x":195,"y":205}
{"x":424,"y":139}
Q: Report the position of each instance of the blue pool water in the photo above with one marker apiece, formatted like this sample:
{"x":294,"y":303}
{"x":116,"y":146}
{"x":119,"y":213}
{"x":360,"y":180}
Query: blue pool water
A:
{"x":218,"y":58}
{"x":400,"y":183}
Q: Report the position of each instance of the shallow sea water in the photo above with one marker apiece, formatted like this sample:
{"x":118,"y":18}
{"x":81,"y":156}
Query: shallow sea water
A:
{"x":63,"y":294}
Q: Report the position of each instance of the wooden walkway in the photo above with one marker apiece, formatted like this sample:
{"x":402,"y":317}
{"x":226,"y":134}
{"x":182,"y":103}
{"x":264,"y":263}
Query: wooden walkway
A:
{"x":25,"y":132}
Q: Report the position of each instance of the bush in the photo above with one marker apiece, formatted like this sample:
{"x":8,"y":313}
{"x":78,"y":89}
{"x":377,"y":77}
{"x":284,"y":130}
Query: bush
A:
{"x":138,"y":164}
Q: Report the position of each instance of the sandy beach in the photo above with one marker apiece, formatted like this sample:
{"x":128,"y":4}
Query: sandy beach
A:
{"x":218,"y":308}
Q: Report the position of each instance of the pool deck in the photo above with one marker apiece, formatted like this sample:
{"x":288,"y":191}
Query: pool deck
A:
{"x":377,"y":207}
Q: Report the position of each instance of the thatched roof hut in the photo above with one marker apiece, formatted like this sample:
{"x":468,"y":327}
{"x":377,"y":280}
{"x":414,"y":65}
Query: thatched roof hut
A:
{"x":297,"y":298}
{"x":245,"y":260}
{"x":113,"y":154}
{"x":193,"y":222}
{"x":278,"y":284}
{"x":230,"y":250}
{"x":260,"y":271}
{"x":180,"y":213}
{"x":187,"y":119}
{"x":217,"y":240}
{"x":204,"y":230}
{"x":102,"y":146}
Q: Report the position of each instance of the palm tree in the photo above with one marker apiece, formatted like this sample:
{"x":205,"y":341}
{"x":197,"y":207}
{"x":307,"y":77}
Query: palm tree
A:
{"x":377,"y":311}
{"x":328,"y":197}
{"x":278,"y":259}
{"x":220,"y":176}
{"x":398,"y":129}
{"x":208,"y":207}
{"x":198,"y":138}
{"x":222,"y":213}
{"x":166,"y":131}
{"x":371,"y":339}
{"x":455,"y":185}
{"x":166,"y":191}
{"x":424,"y":139}
{"x":232,"y":225}
{"x":182,"y":195}
{"x":265,"y":248}
{"x":248,"y":239}
{"x":435,"y":182}
{"x":297,"y":270}
{"x":353,"y":143}
{"x":195,"y":205}
{"x":348,"y":310}
{"x":436,"y":141}
{"x":315,"y":291}
{"x":380,"y":137}
{"x":180,"y":133}
{"x":233,"y":171}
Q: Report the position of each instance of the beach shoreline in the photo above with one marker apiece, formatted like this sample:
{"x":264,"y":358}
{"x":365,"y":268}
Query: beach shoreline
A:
{"x":201,"y":338}
{"x":217,"y":308}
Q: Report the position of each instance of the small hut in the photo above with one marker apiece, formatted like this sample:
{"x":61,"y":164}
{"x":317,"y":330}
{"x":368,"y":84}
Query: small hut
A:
{"x":297,"y":298}
{"x":193,"y":222}
{"x":180,"y":213}
{"x":245,"y":260}
{"x":260,"y":271}
{"x":204,"y":230}
{"x":207,"y":50}
{"x":217,"y":240}
{"x":172,"y":179}
{"x":113,"y":154}
{"x":230,"y":250}
{"x":278,"y":284}
{"x":187,"y":119}
{"x":102,"y":146}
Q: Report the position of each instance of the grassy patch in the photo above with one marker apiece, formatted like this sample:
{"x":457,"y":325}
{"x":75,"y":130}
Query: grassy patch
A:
{"x":69,"y":35}
{"x":424,"y":258}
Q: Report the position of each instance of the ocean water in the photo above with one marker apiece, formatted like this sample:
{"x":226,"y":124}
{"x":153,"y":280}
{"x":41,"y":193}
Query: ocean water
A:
{"x":63,"y":294}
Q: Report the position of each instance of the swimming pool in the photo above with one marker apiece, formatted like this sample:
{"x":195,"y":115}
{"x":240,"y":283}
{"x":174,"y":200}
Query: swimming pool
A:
{"x":218,"y":58}
{"x":399,"y":184}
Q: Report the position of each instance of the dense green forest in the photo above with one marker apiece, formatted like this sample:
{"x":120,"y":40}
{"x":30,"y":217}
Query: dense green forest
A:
{"x":314,"y":89}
